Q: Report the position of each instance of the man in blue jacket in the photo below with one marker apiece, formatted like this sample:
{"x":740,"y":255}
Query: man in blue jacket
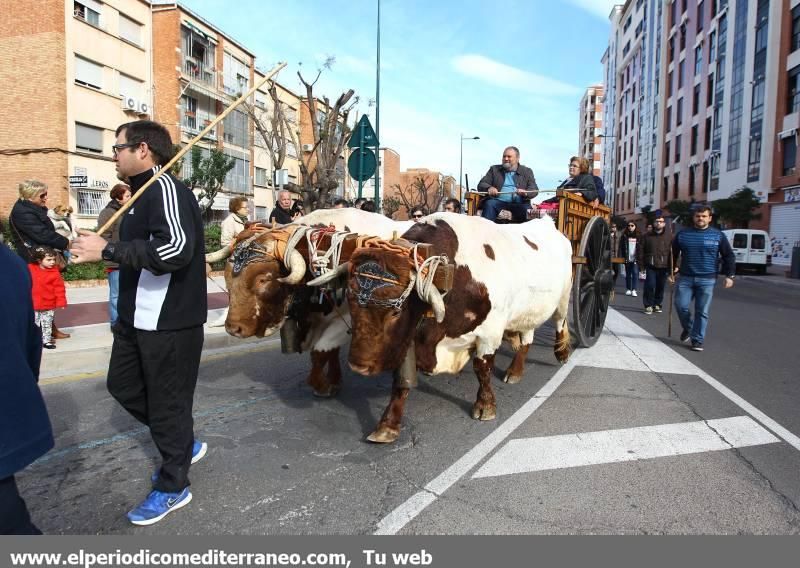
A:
{"x":696,"y":251}
{"x":162,"y":307}
{"x":25,"y":432}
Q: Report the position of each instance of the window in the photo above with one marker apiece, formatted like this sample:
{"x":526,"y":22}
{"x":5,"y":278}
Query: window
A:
{"x":189,"y":112}
{"x":789,"y":148}
{"x":675,"y":179}
{"x":261,"y":176}
{"x":793,"y":91}
{"x":88,"y":138}
{"x":693,"y":140}
{"x":238,"y":179}
{"x":739,"y":241}
{"x":666,"y":153}
{"x":129,"y":87}
{"x":795,"y":45}
{"x":668,"y":119}
{"x":665,"y":189}
{"x":130,"y":30}
{"x":679,"y":112}
{"x":236,"y":74}
{"x":88,"y":73}
{"x":681,"y":72}
{"x":710,"y":91}
{"x":758,"y":241}
{"x":91,"y":201}
{"x":712,"y":47}
{"x":88,"y":11}
{"x":700,"y":16}
{"x":707,"y":139}
{"x":754,"y":159}
{"x":291,"y":150}
{"x":682,"y":35}
{"x":698,"y":59}
{"x":691,"y":180}
{"x":235,"y":129}
{"x":705,"y":177}
{"x":669,"y":84}
{"x":696,"y":100}
{"x":678,"y":149}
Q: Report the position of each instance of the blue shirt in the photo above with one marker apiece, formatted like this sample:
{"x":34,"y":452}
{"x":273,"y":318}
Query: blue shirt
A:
{"x":699,"y":251}
{"x":509,"y":185}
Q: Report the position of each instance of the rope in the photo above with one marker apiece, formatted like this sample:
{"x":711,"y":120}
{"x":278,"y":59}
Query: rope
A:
{"x":322,"y":263}
{"x":426,"y":271}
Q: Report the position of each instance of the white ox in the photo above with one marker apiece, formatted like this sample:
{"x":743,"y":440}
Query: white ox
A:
{"x":508,"y":281}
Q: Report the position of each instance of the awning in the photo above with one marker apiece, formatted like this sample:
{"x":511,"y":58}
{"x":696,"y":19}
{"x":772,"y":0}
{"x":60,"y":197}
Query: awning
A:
{"x":787,"y":133}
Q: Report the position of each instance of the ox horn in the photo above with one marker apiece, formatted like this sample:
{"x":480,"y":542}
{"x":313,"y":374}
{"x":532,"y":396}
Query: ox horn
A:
{"x":297,"y":268}
{"x":437,"y":303}
{"x":221,"y":254}
{"x":328,"y":276}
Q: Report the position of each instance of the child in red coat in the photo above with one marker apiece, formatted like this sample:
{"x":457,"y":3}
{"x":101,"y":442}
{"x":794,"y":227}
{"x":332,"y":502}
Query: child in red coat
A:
{"x":48,"y":291}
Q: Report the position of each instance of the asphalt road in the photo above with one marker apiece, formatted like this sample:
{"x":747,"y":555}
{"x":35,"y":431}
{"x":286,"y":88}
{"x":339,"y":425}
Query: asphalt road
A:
{"x":583,"y":448}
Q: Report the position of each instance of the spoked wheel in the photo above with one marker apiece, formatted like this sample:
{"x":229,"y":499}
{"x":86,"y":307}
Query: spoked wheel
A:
{"x":593,"y":283}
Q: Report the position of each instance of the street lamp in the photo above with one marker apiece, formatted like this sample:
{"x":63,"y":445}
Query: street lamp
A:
{"x":461,"y":163}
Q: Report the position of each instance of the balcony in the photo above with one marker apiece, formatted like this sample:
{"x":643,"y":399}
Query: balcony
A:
{"x":198,"y":72}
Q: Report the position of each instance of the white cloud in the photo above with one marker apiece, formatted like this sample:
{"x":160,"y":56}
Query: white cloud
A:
{"x":600,"y":8}
{"x":505,"y":76}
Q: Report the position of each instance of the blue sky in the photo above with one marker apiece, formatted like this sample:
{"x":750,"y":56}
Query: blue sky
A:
{"x":510,"y":72}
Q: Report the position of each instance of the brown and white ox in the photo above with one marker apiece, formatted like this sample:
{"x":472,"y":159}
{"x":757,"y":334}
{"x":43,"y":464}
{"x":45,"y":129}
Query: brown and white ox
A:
{"x":262,"y":286}
{"x":509,"y":280}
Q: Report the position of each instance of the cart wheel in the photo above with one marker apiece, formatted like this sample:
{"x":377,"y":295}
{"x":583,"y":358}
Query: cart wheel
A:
{"x":593,"y":283}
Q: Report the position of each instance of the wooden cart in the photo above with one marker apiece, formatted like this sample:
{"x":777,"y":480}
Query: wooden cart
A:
{"x":588,"y":229}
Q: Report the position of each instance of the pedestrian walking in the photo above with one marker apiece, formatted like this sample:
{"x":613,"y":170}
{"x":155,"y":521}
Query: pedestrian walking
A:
{"x":631,"y":238}
{"x":47,"y":291}
{"x":120,"y":194}
{"x":615,"y":240}
{"x":162,"y":306}
{"x":697,"y":251}
{"x":653,"y":257}
{"x":25,"y":431}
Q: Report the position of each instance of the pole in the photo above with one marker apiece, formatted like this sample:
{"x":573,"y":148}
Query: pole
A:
{"x":460,"y":166}
{"x":121,"y":211}
{"x":360,"y":159}
{"x":378,"y":114}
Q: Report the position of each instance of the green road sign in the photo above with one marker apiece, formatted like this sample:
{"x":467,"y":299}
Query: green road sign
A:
{"x":363,"y":134}
{"x":361,"y":164}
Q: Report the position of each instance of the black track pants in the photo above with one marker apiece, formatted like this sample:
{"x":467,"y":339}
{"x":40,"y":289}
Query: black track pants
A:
{"x":14,"y":517}
{"x":153,"y":374}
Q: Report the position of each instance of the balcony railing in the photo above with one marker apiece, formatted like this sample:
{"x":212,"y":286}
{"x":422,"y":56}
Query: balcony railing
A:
{"x":198,"y":72}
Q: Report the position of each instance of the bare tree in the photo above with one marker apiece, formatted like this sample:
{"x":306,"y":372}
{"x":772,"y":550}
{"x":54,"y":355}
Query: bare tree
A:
{"x":424,"y":190}
{"x":330,"y":131}
{"x":391,"y":205}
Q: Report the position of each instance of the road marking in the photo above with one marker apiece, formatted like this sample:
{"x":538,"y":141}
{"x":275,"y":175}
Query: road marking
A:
{"x":649,"y":354}
{"x":641,"y":342}
{"x":406,"y":512}
{"x":629,"y":444}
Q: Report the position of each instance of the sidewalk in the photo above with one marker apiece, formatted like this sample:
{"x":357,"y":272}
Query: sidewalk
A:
{"x":89,"y":348}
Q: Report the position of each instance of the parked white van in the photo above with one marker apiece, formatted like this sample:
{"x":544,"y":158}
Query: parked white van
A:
{"x":750,"y":248}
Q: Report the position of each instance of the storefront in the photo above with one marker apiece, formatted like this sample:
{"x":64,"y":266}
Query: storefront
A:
{"x":784,"y":227}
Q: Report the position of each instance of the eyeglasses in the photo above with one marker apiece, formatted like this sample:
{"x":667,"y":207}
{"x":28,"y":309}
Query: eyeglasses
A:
{"x":573,"y":165}
{"x":117,"y":147}
{"x":417,"y":216}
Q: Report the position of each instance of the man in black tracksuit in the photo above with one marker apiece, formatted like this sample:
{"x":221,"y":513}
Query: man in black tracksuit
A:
{"x":162,"y":308}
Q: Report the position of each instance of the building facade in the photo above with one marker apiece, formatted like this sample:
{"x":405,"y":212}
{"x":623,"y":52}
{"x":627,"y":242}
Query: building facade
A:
{"x":79,"y":68}
{"x":591,"y":127}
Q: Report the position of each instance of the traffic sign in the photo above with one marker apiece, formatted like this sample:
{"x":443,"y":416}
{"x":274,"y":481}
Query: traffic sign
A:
{"x":363,"y":134}
{"x":368,"y":163}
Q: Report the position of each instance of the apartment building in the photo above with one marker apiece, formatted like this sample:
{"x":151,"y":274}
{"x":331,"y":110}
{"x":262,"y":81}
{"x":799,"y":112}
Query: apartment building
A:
{"x":79,"y":69}
{"x":608,"y":136}
{"x":268,"y":178}
{"x":591,"y":127}
{"x":199,"y":71}
{"x":634,"y":64}
{"x":784,"y":199}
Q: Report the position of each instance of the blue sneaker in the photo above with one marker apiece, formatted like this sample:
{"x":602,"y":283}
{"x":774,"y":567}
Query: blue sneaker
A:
{"x":158,"y":505}
{"x":199,"y":450}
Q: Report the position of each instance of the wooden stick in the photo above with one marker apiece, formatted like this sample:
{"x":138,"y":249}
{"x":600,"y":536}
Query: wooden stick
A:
{"x":185,"y":149}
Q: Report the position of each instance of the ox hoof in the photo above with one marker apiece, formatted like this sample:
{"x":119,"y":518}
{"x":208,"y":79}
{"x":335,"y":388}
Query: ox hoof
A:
{"x":484,"y":413}
{"x":512,"y":379}
{"x":384,"y":435}
{"x":329,"y":392}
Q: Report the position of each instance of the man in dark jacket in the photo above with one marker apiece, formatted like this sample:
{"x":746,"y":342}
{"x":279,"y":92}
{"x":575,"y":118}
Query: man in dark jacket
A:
{"x":696,"y":251}
{"x":510,"y":187}
{"x":25,"y":432}
{"x":162,"y":308}
{"x":283,"y":214}
{"x":654,"y":257}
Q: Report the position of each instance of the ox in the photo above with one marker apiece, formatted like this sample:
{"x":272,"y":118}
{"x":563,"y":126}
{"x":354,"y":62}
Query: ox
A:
{"x":264,"y":286}
{"x":509,"y":280}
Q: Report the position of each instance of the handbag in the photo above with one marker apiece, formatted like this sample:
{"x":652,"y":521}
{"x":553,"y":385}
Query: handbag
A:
{"x":61,"y":260}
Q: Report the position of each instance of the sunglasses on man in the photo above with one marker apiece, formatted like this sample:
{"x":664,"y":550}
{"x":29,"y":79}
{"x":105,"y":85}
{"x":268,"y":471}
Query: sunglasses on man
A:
{"x":417,"y":216}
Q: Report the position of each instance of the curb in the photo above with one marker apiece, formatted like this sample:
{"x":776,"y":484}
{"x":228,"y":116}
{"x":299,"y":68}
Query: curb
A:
{"x":94,"y":359}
